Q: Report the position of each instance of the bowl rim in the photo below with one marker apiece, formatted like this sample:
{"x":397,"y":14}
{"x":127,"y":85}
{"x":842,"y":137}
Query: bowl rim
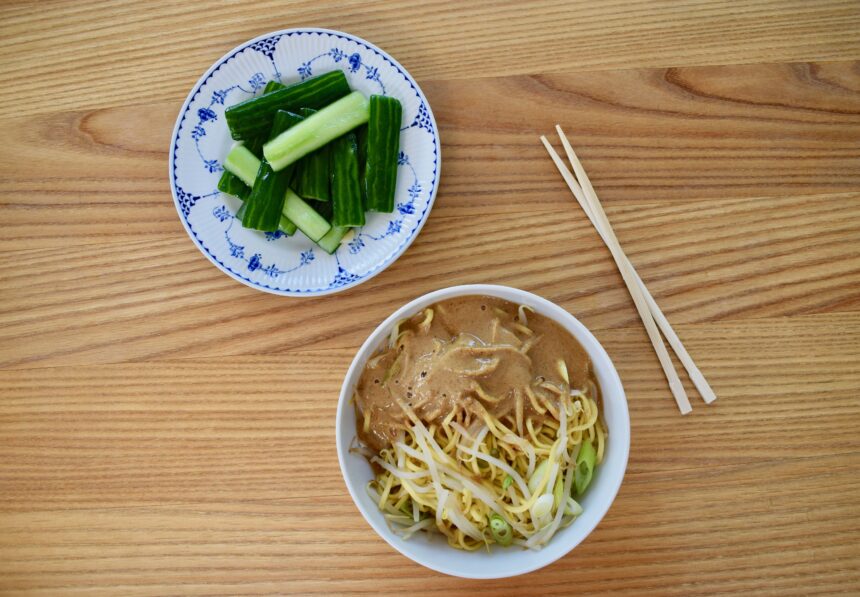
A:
{"x":549,"y":309}
{"x":174,"y":140}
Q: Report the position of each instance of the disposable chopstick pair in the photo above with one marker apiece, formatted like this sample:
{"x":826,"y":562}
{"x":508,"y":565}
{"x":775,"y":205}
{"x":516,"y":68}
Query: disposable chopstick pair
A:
{"x":693,"y":371}
{"x":650,"y":313}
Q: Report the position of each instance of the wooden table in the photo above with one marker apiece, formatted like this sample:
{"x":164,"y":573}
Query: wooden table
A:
{"x":166,"y":430}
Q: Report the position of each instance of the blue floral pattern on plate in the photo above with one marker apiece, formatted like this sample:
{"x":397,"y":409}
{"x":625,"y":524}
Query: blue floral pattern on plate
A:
{"x":275,"y":262}
{"x":335,"y":55}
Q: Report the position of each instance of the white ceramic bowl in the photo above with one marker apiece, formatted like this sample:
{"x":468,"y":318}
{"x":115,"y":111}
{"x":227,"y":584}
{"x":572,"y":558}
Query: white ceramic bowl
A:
{"x":433,"y":551}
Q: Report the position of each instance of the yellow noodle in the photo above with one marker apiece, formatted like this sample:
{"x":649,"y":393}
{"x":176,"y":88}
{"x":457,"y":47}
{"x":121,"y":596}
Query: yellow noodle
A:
{"x":397,"y":494}
{"x":522,"y":328}
{"x":536,"y":442}
{"x":534,"y":401}
{"x":388,"y":482}
{"x":466,"y":497}
{"x":446,"y":423}
{"x":428,"y":319}
{"x":592,"y":418}
{"x":518,"y":409}
{"x":483,"y":395}
{"x":551,"y":424}
{"x":401,"y":502}
{"x":600,"y":443}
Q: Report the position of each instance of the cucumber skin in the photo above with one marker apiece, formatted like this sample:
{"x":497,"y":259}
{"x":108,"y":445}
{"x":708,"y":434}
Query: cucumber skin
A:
{"x":345,"y":192}
{"x":254,"y":117}
{"x":273,"y":86}
{"x":232,"y":185}
{"x":383,"y":148}
{"x":312,"y":173}
{"x":263,"y":211}
{"x":266,"y":201}
{"x":285,"y":225}
{"x":361,"y":140}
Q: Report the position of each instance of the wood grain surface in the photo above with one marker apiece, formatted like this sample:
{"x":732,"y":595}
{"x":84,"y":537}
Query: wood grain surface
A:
{"x":165,"y":430}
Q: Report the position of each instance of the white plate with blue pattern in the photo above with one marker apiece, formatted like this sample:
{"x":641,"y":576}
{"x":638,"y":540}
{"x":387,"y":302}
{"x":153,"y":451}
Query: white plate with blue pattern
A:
{"x":272,"y":262}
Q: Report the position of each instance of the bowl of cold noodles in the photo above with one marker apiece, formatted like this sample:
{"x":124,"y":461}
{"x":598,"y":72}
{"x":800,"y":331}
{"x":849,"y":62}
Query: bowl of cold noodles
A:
{"x":482,"y":431}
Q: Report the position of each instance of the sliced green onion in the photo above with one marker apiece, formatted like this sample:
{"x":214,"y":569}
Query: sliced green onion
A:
{"x":507,"y":482}
{"x":572,"y":508}
{"x":584,"y":467}
{"x":501,"y":530}
{"x":542,"y":508}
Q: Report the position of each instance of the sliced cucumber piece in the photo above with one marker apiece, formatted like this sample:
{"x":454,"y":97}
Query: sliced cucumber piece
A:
{"x":305,"y":217}
{"x":331,"y":241}
{"x":244,"y":164}
{"x":316,"y":130}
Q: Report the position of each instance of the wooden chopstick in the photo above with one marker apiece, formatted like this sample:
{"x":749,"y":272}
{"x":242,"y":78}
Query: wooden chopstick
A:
{"x":601,"y":223}
{"x":693,"y":371}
